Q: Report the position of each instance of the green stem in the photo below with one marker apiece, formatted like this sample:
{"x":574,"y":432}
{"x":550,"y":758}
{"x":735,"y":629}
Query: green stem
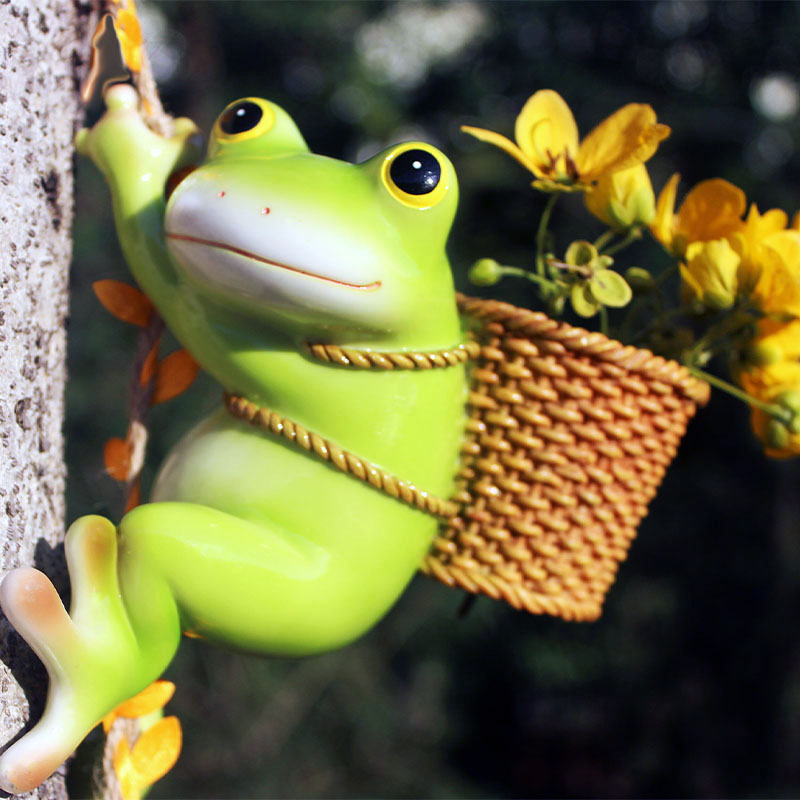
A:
{"x":518,"y":272}
{"x":604,"y":320}
{"x":667,"y":273}
{"x":633,"y":235}
{"x":776,"y":411}
{"x":541,"y":233}
{"x":730,"y":324}
{"x":603,"y":239}
{"x":662,"y":316}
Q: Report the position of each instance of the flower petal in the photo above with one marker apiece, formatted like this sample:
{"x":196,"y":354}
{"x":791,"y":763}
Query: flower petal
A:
{"x":498,"y":140}
{"x":628,"y":137}
{"x":663,"y":226}
{"x":778,"y":287}
{"x":713,"y":209}
{"x":546,"y":132}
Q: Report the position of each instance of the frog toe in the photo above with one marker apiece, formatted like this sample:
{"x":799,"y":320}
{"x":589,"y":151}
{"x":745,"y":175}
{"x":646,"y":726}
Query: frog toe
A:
{"x":32,"y":605}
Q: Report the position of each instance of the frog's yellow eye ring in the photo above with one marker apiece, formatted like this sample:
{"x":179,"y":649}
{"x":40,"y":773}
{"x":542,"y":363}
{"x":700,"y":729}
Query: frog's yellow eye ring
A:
{"x":244,"y":119}
{"x":414,"y":176}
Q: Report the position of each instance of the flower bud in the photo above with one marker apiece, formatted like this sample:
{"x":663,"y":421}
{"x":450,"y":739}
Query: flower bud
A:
{"x":623,"y":199}
{"x":710,"y":272}
{"x":640,"y":280}
{"x":485,"y":272}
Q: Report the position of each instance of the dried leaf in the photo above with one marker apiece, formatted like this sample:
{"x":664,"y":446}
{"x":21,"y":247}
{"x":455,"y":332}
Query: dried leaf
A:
{"x":129,"y":34}
{"x":134,"y":498}
{"x":150,"y":366}
{"x":155,"y":696}
{"x":155,"y":752}
{"x":175,"y":375}
{"x":116,"y":457}
{"x":108,"y":721}
{"x":129,"y":783}
{"x":124,"y":301}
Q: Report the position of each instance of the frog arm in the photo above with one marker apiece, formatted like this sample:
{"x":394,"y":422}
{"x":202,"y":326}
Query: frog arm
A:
{"x":136,"y":162}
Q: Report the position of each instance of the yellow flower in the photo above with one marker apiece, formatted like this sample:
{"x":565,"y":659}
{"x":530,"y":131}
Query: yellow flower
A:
{"x":772,"y":358}
{"x":748,"y":242}
{"x":710,"y":272}
{"x":623,"y":199}
{"x":713,"y":209}
{"x":548,"y":144}
{"x":770,"y":373}
{"x":774,"y":275}
{"x":780,"y":435}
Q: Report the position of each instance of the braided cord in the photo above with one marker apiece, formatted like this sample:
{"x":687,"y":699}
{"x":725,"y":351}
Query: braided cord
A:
{"x":313,"y":443}
{"x":367,"y":359}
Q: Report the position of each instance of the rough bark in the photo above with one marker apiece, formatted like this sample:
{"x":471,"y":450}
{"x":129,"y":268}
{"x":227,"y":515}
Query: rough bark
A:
{"x":43,"y":48}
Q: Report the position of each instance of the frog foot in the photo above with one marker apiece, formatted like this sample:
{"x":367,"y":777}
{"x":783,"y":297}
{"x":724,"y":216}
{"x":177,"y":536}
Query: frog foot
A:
{"x":89,"y":655}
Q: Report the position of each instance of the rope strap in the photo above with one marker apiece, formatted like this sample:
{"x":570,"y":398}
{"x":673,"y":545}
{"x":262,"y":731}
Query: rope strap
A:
{"x":314,"y":444}
{"x":366,"y":359}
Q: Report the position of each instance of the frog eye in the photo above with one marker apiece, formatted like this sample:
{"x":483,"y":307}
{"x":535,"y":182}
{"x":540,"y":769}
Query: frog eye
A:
{"x":244,"y":119}
{"x":413,"y":176}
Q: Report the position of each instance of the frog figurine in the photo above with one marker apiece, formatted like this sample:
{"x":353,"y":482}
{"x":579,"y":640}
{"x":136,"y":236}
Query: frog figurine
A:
{"x":251,"y":540}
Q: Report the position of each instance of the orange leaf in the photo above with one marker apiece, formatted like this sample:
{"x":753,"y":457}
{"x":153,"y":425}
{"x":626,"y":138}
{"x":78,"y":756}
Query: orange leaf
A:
{"x":150,"y":366}
{"x":134,"y":498}
{"x":124,"y":301}
{"x":155,"y":696}
{"x":155,"y":752}
{"x":116,"y":457}
{"x":175,"y":375}
{"x":129,"y":35}
{"x":129,"y":783}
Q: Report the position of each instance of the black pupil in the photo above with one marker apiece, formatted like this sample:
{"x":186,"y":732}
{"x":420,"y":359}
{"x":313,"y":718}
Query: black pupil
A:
{"x":240,"y":118}
{"x":415,"y":172}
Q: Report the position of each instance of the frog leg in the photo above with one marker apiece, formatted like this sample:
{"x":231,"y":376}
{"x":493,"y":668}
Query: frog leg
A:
{"x":219,"y":573}
{"x":249,"y":584}
{"x":91,"y":655}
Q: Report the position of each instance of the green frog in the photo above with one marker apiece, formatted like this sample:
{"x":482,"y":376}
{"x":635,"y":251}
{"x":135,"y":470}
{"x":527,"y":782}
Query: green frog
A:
{"x":249,"y":541}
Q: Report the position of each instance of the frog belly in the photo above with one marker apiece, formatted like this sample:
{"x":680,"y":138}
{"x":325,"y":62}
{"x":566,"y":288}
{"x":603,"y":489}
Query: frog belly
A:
{"x":357,"y":547}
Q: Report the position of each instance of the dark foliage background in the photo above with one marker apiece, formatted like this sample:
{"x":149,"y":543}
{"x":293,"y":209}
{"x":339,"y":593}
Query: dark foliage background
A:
{"x":689,"y":685}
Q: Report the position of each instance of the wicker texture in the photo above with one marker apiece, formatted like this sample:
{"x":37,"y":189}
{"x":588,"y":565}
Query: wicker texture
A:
{"x":568,"y":438}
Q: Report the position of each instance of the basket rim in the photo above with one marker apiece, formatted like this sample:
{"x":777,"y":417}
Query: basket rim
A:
{"x":583,"y":342}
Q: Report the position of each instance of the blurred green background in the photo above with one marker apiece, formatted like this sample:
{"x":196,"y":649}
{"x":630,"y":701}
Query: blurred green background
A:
{"x":689,"y":685}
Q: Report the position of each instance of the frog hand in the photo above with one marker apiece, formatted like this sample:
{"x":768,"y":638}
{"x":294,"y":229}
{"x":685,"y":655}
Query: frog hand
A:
{"x":128,"y":152}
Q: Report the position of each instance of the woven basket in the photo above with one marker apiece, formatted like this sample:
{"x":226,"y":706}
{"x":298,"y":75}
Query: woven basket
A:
{"x":568,"y":438}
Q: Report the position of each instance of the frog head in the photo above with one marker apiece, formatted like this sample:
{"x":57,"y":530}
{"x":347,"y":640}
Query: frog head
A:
{"x":314,"y":246}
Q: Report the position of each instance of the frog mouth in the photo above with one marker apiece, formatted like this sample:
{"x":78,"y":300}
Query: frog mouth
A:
{"x":364,"y":287}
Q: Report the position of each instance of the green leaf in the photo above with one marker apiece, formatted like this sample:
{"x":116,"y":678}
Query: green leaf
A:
{"x":582,"y":301}
{"x":580,"y":253}
{"x":610,"y":288}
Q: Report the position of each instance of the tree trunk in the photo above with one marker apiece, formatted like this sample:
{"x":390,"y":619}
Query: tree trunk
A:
{"x":44,"y":49}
